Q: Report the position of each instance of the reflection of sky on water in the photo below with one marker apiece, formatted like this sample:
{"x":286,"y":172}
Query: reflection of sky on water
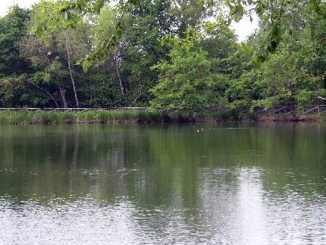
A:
{"x":113,"y":191}
{"x":246,"y":214}
{"x":82,"y":222}
{"x":232,"y":208}
{"x":296,"y":219}
{"x":87,"y":222}
{"x":251,"y":213}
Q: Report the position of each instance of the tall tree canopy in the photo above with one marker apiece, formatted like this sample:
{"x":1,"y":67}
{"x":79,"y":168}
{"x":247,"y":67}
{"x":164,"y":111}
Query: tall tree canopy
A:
{"x":279,"y":16}
{"x":168,"y":54}
{"x":13,"y":65}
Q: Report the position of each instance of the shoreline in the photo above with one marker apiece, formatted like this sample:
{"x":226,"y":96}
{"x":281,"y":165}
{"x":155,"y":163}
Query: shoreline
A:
{"x":140,"y":117}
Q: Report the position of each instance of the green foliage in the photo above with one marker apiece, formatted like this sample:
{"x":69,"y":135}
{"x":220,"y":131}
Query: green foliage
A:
{"x":141,"y":49}
{"x":243,"y":91}
{"x":52,"y":16}
{"x":185,"y":82}
{"x":283,"y":82}
{"x":92,"y":116}
{"x":292,"y":73}
{"x":191,"y":13}
{"x":12,"y":29}
{"x":277,"y":19}
{"x":280,"y":17}
{"x":14,"y":91}
{"x":163,"y":54}
{"x":55,"y":63}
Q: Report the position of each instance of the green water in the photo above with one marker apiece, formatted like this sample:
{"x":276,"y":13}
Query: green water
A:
{"x":163,"y":184}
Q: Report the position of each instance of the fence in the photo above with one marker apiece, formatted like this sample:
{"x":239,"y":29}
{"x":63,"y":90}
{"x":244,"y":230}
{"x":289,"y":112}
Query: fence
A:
{"x":275,"y":110}
{"x":288,"y":110}
{"x":76,"y":109}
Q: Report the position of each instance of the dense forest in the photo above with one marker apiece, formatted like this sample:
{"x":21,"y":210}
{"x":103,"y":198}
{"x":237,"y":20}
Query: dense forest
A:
{"x":171,"y":55}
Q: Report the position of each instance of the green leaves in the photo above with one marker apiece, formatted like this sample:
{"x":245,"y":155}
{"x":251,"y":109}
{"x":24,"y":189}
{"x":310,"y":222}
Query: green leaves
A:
{"x":237,"y":12}
{"x":13,"y":27}
{"x":185,"y":83}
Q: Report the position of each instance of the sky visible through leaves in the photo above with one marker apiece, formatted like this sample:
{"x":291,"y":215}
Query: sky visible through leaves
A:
{"x":243,"y":28}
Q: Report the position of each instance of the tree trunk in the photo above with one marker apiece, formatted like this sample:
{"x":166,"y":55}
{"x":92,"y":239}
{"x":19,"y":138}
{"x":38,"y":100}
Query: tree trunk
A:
{"x":63,"y":97}
{"x":70,"y":72}
{"x":116,"y":66}
{"x":293,"y":104}
{"x":42,"y":89}
{"x":140,"y":92}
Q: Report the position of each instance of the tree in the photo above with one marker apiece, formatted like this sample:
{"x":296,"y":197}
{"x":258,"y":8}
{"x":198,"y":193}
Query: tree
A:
{"x":56,"y":63}
{"x":292,"y":71}
{"x":185,"y":82}
{"x":67,"y":14}
{"x":283,"y":82}
{"x":311,"y":45}
{"x":190,"y":13}
{"x":144,"y":30}
{"x":280,"y":17}
{"x":13,"y":27}
{"x":243,"y":89}
{"x":126,"y":43}
{"x":283,"y":79}
{"x":13,"y":66}
{"x":219,"y":41}
{"x":104,"y":26}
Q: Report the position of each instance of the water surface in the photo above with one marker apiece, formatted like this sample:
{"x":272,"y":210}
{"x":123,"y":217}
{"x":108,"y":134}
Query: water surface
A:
{"x":163,"y":184}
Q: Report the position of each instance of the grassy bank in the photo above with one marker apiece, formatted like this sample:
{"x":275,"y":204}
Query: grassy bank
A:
{"x":134,"y":116}
{"x":70,"y":117}
{"x":108,"y":116}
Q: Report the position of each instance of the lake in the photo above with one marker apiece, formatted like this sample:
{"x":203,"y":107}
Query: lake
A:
{"x":163,"y":184}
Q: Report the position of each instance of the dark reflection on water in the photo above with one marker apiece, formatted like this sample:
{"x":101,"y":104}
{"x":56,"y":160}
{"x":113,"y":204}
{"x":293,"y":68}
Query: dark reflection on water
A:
{"x":190,"y":184}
